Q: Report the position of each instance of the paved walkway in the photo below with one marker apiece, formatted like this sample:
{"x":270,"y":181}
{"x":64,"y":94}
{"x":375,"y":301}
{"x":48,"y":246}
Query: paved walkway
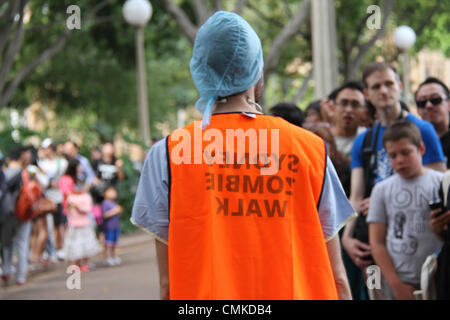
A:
{"x":135,"y":278}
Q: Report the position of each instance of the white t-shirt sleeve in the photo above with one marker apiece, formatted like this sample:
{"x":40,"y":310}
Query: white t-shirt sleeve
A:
{"x":151,"y":205}
{"x":377,"y":208}
{"x":335,"y":210}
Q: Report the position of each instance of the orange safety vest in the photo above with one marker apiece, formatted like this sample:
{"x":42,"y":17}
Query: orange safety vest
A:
{"x":235,"y":233}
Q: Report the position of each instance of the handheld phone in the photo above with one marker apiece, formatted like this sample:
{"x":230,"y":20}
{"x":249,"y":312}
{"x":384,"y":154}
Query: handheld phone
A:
{"x":435,"y":204}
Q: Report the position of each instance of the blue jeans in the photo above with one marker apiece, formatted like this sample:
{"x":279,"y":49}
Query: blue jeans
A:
{"x":49,"y":245}
{"x":16,"y":235}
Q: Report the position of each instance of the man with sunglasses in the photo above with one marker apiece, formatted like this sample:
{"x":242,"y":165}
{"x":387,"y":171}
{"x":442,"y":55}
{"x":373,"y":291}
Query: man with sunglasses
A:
{"x":433,"y":106}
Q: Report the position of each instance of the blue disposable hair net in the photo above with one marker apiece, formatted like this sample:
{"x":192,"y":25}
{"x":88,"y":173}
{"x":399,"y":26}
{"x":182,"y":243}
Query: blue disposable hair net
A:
{"x":227,"y":59}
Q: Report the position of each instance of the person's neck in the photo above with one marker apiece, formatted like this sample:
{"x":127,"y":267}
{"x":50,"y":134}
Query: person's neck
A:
{"x":243,"y":102}
{"x":15,"y":165}
{"x":343,"y":131}
{"x":441,"y":129}
{"x":389,"y":115}
{"x":107,"y":159}
{"x":419,"y":173}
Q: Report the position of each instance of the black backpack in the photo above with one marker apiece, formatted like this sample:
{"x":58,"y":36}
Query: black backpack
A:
{"x":361,"y":231}
{"x":442,"y":276}
{"x":9,"y":191}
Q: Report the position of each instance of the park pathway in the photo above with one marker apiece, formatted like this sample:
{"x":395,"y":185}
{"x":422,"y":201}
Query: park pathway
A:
{"x":136,"y":278}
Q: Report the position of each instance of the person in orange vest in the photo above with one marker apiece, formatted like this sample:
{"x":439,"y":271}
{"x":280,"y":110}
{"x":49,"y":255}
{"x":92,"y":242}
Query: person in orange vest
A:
{"x":243,"y":205}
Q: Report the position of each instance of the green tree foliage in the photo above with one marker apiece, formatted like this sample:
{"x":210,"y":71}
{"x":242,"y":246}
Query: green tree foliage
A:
{"x":13,"y":136}
{"x":429,"y":19}
{"x":94,"y":76}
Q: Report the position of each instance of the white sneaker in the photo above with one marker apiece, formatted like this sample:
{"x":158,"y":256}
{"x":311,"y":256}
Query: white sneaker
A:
{"x":117,"y":260}
{"x":32,"y":267}
{"x":110,"y":262}
{"x":60,"y":255}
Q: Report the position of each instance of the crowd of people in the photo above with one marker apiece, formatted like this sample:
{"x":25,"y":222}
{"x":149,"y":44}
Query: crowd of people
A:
{"x":371,"y":135}
{"x":382,"y":159}
{"x":388,"y":162}
{"x":56,"y":205}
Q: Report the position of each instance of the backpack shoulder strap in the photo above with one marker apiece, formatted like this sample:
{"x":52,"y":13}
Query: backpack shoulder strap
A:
{"x":368,"y":162}
{"x":368,"y":140}
{"x":444,"y":190}
{"x":3,"y":182}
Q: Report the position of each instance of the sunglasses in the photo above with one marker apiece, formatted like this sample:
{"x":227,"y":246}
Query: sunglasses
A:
{"x":434,"y":102}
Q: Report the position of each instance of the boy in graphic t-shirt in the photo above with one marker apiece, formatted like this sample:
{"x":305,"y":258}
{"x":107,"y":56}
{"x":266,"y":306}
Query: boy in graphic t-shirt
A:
{"x":399,"y":232}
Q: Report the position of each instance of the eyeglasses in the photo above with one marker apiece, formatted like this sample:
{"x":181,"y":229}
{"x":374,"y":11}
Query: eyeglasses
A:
{"x":353,"y":103}
{"x":434,"y":102}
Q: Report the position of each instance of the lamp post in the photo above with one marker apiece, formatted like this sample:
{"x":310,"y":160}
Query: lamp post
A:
{"x":138,"y":14}
{"x":404,"y":38}
{"x":325,"y":62}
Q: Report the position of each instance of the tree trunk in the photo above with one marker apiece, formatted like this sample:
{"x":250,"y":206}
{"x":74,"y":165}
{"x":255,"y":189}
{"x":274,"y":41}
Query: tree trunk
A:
{"x":355,"y":63}
{"x":9,"y":52}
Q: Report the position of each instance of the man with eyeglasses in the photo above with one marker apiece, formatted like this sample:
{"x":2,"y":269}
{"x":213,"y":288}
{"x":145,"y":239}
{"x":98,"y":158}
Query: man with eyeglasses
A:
{"x":433,"y":106}
{"x":349,"y":107}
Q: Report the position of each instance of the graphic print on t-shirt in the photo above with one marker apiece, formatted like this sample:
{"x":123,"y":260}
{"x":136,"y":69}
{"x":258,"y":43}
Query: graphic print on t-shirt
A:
{"x":399,"y":224}
{"x":384,"y":169}
{"x":402,"y":205}
{"x":408,"y":219}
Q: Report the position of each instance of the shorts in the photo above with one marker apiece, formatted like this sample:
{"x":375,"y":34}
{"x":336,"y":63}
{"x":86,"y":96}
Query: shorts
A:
{"x":58,"y":217}
{"x":111,"y":237}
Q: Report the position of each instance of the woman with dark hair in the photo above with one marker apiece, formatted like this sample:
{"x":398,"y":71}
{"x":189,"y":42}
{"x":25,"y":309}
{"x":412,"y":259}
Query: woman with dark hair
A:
{"x":54,"y":165}
{"x":289,"y":112}
{"x":340,"y":162}
{"x":40,"y":230}
{"x":66,"y":185}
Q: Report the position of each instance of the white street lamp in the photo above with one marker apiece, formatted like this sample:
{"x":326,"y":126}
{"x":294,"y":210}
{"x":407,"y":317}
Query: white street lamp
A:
{"x":138,"y":14}
{"x":404,"y":39}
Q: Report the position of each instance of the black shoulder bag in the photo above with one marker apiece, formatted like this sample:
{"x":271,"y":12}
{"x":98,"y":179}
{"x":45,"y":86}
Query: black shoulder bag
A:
{"x":361,"y":231}
{"x":442,"y":277}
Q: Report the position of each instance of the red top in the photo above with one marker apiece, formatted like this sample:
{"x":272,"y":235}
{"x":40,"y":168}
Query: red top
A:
{"x":66,"y":185}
